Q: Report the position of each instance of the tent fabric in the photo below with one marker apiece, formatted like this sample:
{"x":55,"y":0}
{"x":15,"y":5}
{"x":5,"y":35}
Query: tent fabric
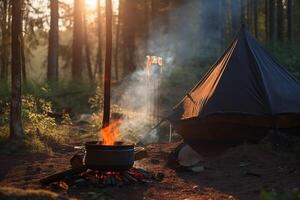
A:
{"x":245,"y":80}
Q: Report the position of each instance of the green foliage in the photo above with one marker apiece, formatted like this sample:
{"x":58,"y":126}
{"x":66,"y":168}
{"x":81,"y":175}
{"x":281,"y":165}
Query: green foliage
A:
{"x":35,"y":114}
{"x":96,"y":101}
{"x":63,"y":94}
{"x":273,"y":195}
{"x":288,"y":55}
{"x":183,"y":78}
{"x":41,"y":131}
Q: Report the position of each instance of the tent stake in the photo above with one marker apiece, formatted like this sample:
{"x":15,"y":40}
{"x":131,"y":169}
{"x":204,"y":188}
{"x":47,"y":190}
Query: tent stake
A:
{"x":170,"y":136}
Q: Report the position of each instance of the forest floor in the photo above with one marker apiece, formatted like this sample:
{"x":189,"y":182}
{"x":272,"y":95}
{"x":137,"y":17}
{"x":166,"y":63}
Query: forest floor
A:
{"x":241,"y":172}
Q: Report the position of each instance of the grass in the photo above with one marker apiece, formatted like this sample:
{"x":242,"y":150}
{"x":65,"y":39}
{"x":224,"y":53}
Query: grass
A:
{"x":9,"y":193}
{"x":33,"y":143}
{"x":293,"y":194}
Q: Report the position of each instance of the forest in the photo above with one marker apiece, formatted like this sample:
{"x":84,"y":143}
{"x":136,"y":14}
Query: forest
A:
{"x":74,"y":71}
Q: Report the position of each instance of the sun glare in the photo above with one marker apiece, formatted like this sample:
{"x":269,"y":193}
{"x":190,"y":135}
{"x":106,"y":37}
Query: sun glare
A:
{"x":92,"y":3}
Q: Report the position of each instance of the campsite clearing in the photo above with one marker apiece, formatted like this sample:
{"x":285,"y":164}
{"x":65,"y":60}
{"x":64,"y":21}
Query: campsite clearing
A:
{"x":224,"y":177}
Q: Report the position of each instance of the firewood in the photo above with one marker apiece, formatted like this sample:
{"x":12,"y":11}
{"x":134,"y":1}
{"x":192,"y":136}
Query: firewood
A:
{"x":77,"y":161}
{"x":140,"y":153}
{"x":61,"y":175}
{"x":129,"y":177}
{"x":113,"y":181}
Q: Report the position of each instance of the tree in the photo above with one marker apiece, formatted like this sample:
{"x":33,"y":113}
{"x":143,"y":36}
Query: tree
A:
{"x":290,"y":19}
{"x":117,"y":45}
{"x":280,"y":26}
{"x":235,"y":16}
{"x":129,"y":16}
{"x":5,"y":30}
{"x":108,"y":60}
{"x":52,"y":69}
{"x":266,"y":20}
{"x":16,"y":128}
{"x":98,"y":68}
{"x":77,"y":47}
{"x":23,"y":59}
{"x":255,"y":10}
{"x":272,"y":22}
{"x":87,"y":48}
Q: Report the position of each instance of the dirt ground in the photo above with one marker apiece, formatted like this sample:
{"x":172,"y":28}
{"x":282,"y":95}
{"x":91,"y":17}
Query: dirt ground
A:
{"x":239,"y":173}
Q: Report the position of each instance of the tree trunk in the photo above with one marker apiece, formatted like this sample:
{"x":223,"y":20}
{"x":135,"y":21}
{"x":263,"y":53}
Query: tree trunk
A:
{"x":77,"y":49}
{"x":266,"y":21}
{"x":280,"y":27}
{"x":98,"y":67}
{"x":5,"y":20}
{"x":249,"y":17}
{"x":23,"y":60}
{"x":87,"y":49}
{"x":235,"y":16}
{"x":272,"y":22}
{"x":290,"y":19}
{"x":129,"y":34}
{"x":255,"y":11}
{"x":52,"y":70}
{"x":108,"y":59}
{"x":243,"y":12}
{"x":16,"y":128}
{"x":117,"y":46}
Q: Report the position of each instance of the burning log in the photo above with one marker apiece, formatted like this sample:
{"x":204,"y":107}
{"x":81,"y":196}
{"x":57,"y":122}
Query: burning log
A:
{"x":84,"y":177}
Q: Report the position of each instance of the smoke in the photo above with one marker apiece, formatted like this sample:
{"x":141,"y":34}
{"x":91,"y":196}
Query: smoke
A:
{"x":193,"y":35}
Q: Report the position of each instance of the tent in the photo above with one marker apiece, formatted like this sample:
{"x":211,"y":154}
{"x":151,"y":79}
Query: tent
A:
{"x":245,"y":93}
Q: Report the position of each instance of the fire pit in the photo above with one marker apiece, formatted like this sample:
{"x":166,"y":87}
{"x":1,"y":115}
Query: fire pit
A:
{"x":119,"y":156}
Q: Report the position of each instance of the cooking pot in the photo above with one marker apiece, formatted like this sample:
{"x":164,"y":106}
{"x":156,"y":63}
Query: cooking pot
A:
{"x":119,"y":156}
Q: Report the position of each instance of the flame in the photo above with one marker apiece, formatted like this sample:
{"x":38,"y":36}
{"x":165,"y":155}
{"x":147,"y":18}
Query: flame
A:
{"x":110,"y":133}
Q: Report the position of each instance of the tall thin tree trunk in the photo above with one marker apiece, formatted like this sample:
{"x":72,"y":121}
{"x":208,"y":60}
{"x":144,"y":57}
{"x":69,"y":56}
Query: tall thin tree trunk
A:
{"x":243,"y":15}
{"x":53,"y":66}
{"x":272,"y":22}
{"x":117,"y":46}
{"x":98,"y":67}
{"x":23,"y":60}
{"x":77,"y":48}
{"x":235,"y":16}
{"x":290,"y":19}
{"x":266,"y":21}
{"x":223,"y":24}
{"x":280,"y":26}
{"x":108,"y":60}
{"x":249,"y":18}
{"x":16,"y":128}
{"x":129,"y":35}
{"x":87,"y":49}
{"x":255,"y":11}
{"x":5,"y":21}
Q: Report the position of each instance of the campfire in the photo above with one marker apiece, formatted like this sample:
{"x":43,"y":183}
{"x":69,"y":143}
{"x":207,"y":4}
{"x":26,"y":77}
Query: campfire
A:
{"x":106,"y":162}
{"x":110,"y":133}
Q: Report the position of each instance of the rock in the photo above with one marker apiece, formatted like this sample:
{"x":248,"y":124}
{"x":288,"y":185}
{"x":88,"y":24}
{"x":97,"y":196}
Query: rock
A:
{"x":244,"y":164}
{"x":195,"y":187}
{"x":197,"y":169}
{"x":155,"y":161}
{"x":187,"y":157}
{"x":160,"y":176}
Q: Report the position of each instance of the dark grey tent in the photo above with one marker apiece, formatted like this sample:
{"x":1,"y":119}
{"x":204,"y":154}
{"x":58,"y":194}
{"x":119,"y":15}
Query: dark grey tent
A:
{"x":244,"y":93}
